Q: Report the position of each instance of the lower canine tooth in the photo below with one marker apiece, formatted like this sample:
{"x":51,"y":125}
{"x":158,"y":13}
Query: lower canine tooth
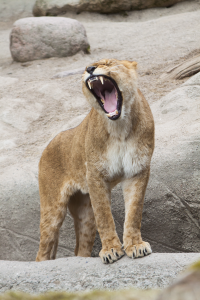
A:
{"x":102,"y":101}
{"x":101,"y":78}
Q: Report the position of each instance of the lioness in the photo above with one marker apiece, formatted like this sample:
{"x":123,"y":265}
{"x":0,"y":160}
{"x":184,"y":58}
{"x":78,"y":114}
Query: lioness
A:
{"x":80,"y":166}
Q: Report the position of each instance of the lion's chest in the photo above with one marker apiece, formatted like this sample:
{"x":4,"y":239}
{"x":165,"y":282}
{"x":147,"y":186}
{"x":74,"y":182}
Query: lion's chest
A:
{"x":125,"y":158}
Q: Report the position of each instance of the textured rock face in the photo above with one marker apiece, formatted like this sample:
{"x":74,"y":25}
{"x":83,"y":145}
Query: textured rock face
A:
{"x":172,"y":208}
{"x":37,"y":38}
{"x":79,"y":273}
{"x":56,"y":7}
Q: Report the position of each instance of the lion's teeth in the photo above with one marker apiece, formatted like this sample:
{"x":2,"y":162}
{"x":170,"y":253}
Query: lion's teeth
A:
{"x":114,"y":113}
{"x":101,"y":78}
{"x":102,"y":101}
{"x":93,"y":79}
{"x":89,"y":84}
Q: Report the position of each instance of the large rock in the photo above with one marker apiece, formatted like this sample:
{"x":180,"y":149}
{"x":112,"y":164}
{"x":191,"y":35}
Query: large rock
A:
{"x":56,"y":7}
{"x":171,"y":216}
{"x":79,"y":273}
{"x":37,"y":38}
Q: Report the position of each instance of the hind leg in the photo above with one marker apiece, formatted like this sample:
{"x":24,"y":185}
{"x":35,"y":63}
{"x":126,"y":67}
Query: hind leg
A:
{"x":84,"y":222}
{"x":54,"y":248}
{"x":50,"y":223}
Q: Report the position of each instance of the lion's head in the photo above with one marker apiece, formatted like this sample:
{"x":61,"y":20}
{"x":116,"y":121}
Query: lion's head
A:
{"x":110,"y":85}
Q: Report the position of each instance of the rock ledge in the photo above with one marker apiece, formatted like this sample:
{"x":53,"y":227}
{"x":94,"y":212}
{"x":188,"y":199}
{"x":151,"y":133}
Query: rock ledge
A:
{"x":77,"y":273}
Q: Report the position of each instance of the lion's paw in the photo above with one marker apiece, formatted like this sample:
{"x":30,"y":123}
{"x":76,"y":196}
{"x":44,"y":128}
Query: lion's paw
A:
{"x":138,"y":250}
{"x":110,"y":256}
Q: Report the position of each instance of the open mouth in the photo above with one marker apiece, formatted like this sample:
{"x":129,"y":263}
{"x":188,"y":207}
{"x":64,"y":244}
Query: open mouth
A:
{"x":107,"y":93}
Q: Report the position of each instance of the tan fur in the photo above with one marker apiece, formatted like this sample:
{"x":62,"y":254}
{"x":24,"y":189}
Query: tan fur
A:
{"x":80,"y":166}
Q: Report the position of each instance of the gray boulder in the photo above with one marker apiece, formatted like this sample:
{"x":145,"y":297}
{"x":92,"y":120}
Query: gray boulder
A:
{"x":38,"y":38}
{"x":171,"y":216}
{"x":56,"y":7}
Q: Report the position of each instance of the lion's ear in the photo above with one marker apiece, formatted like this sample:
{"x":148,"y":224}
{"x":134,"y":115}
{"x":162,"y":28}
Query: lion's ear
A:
{"x":130,"y":64}
{"x":133,"y":64}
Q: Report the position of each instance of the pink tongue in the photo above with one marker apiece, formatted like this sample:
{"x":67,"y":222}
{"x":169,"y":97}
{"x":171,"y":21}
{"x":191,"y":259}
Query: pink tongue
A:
{"x":110,"y":104}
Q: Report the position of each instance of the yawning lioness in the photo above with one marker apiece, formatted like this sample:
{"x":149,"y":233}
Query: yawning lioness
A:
{"x":80,"y":166}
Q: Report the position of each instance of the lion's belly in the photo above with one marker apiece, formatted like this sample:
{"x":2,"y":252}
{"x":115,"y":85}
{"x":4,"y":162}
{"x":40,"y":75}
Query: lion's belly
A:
{"x":126,"y":159}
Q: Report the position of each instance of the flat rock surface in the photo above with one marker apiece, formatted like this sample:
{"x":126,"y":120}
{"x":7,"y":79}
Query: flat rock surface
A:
{"x":78,"y":273}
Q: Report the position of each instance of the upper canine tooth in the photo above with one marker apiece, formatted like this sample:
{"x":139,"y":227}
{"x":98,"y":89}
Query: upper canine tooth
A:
{"x":101,"y":78}
{"x":89,"y":84}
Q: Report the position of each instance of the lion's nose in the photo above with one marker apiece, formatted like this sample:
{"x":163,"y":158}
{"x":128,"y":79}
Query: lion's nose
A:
{"x":91,"y":69}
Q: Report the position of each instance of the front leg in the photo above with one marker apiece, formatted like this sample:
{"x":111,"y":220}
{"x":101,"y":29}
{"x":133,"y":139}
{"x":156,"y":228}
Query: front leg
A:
{"x":100,"y":195}
{"x":134,"y":191}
